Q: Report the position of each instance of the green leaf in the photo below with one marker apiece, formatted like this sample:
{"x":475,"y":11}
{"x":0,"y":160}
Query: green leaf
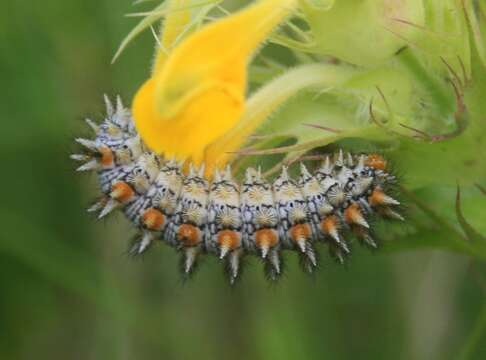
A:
{"x":457,"y":160}
{"x":372,"y":34}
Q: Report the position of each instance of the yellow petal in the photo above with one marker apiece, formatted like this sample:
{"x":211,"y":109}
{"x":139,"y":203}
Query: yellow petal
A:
{"x":177,"y":18}
{"x":199,"y":92}
{"x":186,"y":135}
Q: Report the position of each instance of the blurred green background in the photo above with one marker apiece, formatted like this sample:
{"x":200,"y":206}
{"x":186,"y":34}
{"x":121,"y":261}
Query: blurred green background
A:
{"x":69,"y":291}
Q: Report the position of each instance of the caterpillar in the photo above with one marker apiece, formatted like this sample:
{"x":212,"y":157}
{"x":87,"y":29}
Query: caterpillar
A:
{"x":228,"y":219}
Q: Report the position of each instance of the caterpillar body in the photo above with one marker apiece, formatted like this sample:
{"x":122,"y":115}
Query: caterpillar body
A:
{"x":227,"y":219}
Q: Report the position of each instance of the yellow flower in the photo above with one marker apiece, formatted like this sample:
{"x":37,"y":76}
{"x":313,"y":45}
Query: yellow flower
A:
{"x":196,"y":93}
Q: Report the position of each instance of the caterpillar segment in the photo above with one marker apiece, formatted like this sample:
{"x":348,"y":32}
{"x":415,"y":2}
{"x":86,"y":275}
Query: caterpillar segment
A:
{"x":294,"y":223}
{"x":225,"y":223}
{"x":260,"y":221}
{"x":187,"y":230}
{"x":217,"y":216}
{"x":325,"y":223}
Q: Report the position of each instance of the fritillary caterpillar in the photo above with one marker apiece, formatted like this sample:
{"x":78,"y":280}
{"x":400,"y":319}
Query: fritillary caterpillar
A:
{"x":231,"y":220}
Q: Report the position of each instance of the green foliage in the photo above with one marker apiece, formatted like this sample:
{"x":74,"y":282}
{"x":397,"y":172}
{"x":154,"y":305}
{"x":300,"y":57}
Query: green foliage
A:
{"x":373,"y":22}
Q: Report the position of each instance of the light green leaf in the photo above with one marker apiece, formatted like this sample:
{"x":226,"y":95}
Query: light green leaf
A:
{"x":372,"y":34}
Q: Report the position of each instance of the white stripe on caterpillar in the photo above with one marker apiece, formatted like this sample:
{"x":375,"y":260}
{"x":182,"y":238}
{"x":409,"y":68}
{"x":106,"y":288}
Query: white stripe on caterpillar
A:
{"x":218,"y":217}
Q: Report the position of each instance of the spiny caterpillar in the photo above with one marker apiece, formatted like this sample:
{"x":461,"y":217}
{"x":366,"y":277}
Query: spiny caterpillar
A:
{"x":220,"y":217}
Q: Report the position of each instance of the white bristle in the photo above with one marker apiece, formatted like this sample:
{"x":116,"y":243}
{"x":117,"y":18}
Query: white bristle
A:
{"x":145,"y":242}
{"x":89,"y":144}
{"x":89,"y":166}
{"x":80,"y":157}
{"x":92,"y":125}
{"x":109,"y":106}
{"x":190,"y":255}
{"x":109,"y":207}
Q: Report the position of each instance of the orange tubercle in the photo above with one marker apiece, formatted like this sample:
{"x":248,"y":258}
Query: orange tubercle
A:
{"x":153,"y":219}
{"x":266,"y":238}
{"x":122,"y":192}
{"x":376,"y":198}
{"x":229,"y":239}
{"x":300,"y":232}
{"x":107,"y":158}
{"x":189,"y":235}
{"x":352,"y":214}
{"x":329,"y":224}
{"x":376,"y":161}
